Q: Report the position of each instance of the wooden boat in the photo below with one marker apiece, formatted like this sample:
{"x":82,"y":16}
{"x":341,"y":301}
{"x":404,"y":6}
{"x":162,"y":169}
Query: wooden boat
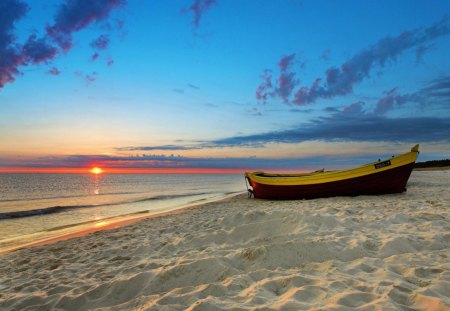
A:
{"x":381,"y":177}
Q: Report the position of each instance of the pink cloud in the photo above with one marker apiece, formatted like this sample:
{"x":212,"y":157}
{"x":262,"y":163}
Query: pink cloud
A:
{"x":285,"y":83}
{"x":262,"y":92}
{"x":387,"y":102}
{"x":72,"y":16}
{"x":11,"y":56}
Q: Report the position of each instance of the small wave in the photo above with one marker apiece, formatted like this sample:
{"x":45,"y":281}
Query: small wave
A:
{"x":170,"y":196}
{"x":67,"y":196}
{"x":64,"y":208}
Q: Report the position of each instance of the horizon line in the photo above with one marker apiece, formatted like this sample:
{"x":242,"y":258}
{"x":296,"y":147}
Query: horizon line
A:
{"x":116,"y":170}
{"x":137,"y":170}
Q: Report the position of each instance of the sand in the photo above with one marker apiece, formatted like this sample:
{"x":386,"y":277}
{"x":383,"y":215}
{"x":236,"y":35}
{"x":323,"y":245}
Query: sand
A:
{"x":438,"y":168}
{"x":387,"y":252}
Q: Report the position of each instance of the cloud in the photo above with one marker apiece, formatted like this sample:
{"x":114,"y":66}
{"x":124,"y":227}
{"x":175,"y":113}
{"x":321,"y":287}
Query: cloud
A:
{"x":101,"y":43}
{"x":331,"y":109}
{"x":435,"y":95}
{"x":286,"y":81}
{"x":295,"y":110}
{"x":192,"y":86}
{"x":439,"y":88}
{"x":339,"y":81}
{"x":182,"y":90}
{"x":54,"y":71}
{"x":87,"y":78}
{"x":95,"y":56}
{"x":161,"y":161}
{"x":73,"y":16}
{"x":263,"y":92}
{"x":387,"y":102}
{"x":11,"y":11}
{"x":420,"y":52}
{"x":198,"y":8}
{"x":254,"y":112}
{"x":348,"y":128}
{"x":160,"y":147}
{"x":179,"y":91}
{"x":38,"y":51}
{"x":352,"y":123}
{"x":109,"y":61}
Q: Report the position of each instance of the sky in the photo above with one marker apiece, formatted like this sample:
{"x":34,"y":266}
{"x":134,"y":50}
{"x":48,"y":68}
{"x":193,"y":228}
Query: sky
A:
{"x":222,"y":85}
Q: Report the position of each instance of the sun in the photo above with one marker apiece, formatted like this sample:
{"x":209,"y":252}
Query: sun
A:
{"x":96,"y":170}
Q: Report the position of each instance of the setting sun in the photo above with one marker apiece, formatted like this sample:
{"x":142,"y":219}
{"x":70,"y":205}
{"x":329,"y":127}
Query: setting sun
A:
{"x":96,"y":170}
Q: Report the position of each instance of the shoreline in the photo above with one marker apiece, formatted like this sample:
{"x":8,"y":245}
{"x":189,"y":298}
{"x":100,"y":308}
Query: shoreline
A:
{"x":386,"y":252}
{"x":113,"y":222}
{"x":83,"y":229}
{"x":107,"y":224}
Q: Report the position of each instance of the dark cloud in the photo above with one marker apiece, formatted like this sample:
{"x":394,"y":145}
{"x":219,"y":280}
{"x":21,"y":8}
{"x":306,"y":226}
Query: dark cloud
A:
{"x":387,"y":102}
{"x":348,"y":128}
{"x":54,"y":71}
{"x":109,"y":61}
{"x":285,"y":83}
{"x":439,"y":88}
{"x":189,"y":85}
{"x":198,"y":8}
{"x":95,"y":56}
{"x":179,"y":91}
{"x":435,"y":95}
{"x":339,"y":81}
{"x":38,"y":51}
{"x":74,"y":15}
{"x":296,"y":110}
{"x":192,"y":86}
{"x":351,"y":123}
{"x":331,"y":109}
{"x":11,"y":11}
{"x":420,"y":52}
{"x":87,"y":78}
{"x":285,"y":62}
{"x":160,"y":147}
{"x":263,"y":92}
{"x":101,"y":43}
{"x":173,"y":161}
{"x":286,"y":80}
{"x":254,"y":112}
{"x":354,"y":110}
{"x":251,"y":163}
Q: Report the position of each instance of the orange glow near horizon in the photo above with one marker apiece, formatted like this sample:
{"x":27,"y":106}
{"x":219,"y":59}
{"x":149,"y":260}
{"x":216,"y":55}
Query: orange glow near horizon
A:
{"x":62,"y":170}
{"x":96,"y":170}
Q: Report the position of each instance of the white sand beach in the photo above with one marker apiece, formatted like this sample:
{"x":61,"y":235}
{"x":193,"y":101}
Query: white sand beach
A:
{"x":388,"y":252}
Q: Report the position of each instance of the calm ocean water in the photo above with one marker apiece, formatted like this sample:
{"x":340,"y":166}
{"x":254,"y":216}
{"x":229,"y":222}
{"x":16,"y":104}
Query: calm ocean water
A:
{"x":38,"y":206}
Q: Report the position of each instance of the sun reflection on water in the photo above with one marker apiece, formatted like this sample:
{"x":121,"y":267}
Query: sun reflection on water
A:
{"x":96,"y":183}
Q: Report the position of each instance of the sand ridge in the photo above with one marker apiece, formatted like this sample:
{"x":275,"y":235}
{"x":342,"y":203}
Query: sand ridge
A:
{"x":367,"y":253}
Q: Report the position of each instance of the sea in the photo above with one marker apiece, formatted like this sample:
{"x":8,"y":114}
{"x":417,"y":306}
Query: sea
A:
{"x":38,"y":207}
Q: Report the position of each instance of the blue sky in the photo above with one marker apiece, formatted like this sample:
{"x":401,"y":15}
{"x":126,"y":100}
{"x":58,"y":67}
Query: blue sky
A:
{"x":227,"y":84}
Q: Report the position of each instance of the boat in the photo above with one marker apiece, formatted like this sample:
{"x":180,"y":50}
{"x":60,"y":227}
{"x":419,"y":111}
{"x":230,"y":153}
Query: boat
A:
{"x":381,"y":177}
